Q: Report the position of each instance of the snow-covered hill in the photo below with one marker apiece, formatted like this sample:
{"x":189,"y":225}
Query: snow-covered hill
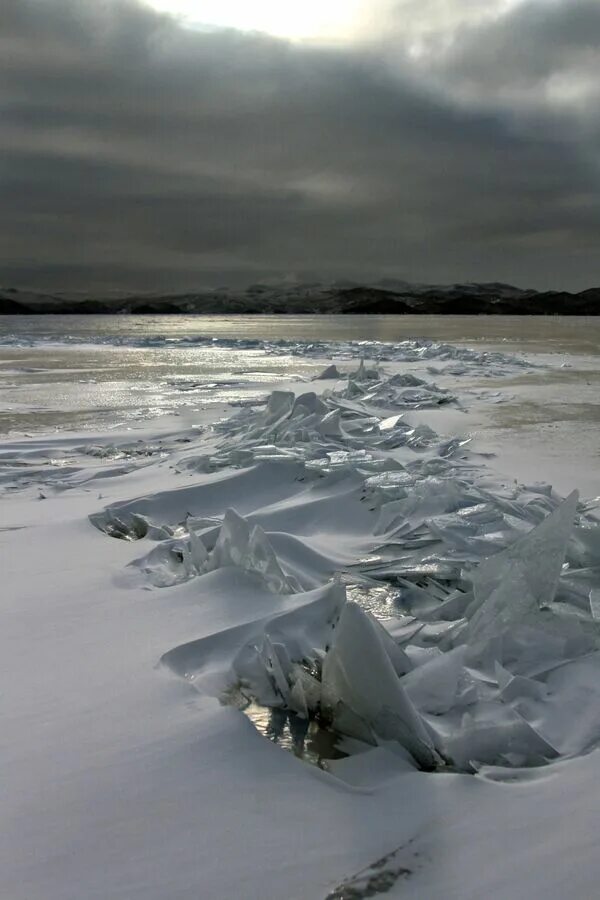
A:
{"x":386,"y":296}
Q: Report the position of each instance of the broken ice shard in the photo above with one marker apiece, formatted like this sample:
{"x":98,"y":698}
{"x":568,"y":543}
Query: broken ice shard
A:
{"x":521,"y":579}
{"x":198,"y":552}
{"x":232,"y":543}
{"x":329,"y":372}
{"x":359,"y":678}
{"x":261,"y":558}
{"x":237,"y":545}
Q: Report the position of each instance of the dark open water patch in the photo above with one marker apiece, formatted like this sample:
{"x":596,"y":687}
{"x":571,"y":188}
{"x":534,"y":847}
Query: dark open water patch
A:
{"x":305,"y":738}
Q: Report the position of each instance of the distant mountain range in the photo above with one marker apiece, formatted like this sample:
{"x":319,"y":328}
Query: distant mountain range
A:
{"x":387,"y":296}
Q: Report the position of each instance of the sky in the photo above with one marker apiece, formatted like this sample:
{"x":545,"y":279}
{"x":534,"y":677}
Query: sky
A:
{"x":178,"y":144}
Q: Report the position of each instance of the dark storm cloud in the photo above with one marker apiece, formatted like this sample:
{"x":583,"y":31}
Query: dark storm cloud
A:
{"x":139,"y":154}
{"x":534,"y":42}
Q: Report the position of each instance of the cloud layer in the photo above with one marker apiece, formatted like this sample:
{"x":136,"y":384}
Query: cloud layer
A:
{"x":446,"y":146}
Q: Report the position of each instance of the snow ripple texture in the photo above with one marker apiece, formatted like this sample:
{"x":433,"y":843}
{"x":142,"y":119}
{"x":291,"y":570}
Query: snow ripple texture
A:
{"x":419,"y":604}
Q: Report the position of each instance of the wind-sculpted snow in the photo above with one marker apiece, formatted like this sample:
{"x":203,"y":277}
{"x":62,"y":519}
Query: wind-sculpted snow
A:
{"x":448,"y":697}
{"x":486,"y":649}
{"x":70,"y":466}
{"x":335,"y":572}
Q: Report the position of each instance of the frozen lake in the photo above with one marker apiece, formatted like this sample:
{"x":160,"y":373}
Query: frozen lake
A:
{"x":90,"y":372}
{"x":372,"y":565}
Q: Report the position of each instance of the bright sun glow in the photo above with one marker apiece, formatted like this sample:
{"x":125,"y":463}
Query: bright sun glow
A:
{"x":306,"y":19}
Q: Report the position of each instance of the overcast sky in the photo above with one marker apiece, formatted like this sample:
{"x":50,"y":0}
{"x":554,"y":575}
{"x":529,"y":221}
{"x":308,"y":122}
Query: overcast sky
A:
{"x":432,"y":140}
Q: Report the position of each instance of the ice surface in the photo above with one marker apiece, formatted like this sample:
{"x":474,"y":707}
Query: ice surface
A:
{"x":486,"y":658}
{"x":328,"y":372}
{"x":437,"y":527}
{"x":198,"y":553}
{"x":520,"y":580}
{"x":231,"y":548}
{"x":491,"y":732}
{"x":248,"y":548}
{"x":359,"y":676}
{"x":261,"y":558}
{"x":434,"y":686}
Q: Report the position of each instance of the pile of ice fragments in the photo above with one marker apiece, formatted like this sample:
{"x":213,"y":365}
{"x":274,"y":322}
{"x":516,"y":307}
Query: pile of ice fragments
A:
{"x":461,"y":360}
{"x":488,"y":649}
{"x":337,"y":427}
{"x":505,"y":670}
{"x":458,"y":360}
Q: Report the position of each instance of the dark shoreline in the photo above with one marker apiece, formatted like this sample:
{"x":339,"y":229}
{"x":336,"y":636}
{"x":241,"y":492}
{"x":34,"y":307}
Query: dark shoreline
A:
{"x":469,"y":300}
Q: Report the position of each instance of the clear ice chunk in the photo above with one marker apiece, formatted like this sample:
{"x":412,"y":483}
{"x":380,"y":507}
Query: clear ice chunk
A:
{"x":261,"y":558}
{"x":231,"y":547}
{"x":359,"y":678}
{"x":491,"y":732}
{"x":329,"y":372}
{"x":521,"y":579}
{"x":277,"y":665}
{"x":198,"y":552}
{"x":434,"y":686}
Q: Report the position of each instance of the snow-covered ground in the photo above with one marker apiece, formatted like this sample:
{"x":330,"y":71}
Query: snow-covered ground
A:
{"x":339,"y":555}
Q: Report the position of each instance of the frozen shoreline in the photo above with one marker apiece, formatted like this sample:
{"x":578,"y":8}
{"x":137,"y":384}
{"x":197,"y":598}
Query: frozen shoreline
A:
{"x":128,"y":782}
